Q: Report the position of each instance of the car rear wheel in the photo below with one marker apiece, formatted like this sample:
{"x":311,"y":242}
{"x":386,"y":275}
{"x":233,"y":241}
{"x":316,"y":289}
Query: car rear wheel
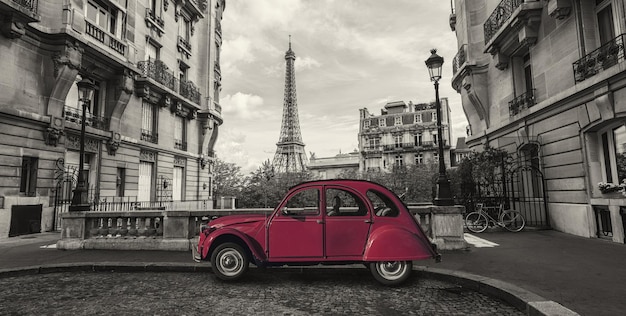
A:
{"x":229,"y":261}
{"x":391,"y":272}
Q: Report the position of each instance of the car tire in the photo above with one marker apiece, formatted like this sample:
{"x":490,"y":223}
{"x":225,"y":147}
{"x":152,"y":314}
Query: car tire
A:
{"x":391,"y":272}
{"x":229,"y":261}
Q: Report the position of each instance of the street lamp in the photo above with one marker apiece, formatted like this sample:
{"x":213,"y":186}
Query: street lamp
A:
{"x":86,"y":89}
{"x":444,"y":195}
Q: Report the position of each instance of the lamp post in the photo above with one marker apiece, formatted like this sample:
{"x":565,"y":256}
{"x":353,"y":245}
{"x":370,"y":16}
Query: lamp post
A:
{"x":444,"y":195}
{"x":86,"y":89}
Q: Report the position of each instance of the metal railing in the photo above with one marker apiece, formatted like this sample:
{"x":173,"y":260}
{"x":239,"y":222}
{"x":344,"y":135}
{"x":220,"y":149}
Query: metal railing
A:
{"x":29,"y":5}
{"x":459,"y":59}
{"x":179,"y":144}
{"x":159,"y":72}
{"x":604,"y":57}
{"x":149,"y":136}
{"x":113,"y":204}
{"x":184,"y":43}
{"x":74,"y":115}
{"x":521,"y":102}
{"x":152,"y":17}
{"x":499,"y":16}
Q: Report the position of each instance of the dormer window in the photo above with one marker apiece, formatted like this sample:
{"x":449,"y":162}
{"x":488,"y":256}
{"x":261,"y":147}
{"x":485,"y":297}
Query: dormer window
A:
{"x":418,"y":118}
{"x":398,"y":120}
{"x":381,"y":122}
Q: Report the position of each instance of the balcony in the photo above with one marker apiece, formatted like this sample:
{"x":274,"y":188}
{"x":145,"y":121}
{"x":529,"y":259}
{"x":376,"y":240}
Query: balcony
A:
{"x":74,"y":115}
{"x":189,"y":90}
{"x":159,"y":72}
{"x":183,"y":46}
{"x":217,"y":107}
{"x":606,"y":56}
{"x":194,"y":7}
{"x":460,"y":59}
{"x":179,"y":144}
{"x":149,"y":136}
{"x":104,"y":37}
{"x":16,"y":14}
{"x":521,"y":102}
{"x":512,"y":29}
{"x":155,"y":22}
{"x":218,"y":31}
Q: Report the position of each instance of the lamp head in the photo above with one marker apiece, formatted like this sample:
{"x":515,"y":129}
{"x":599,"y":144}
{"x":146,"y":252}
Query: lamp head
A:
{"x":434,"y":63}
{"x":86,"y":88}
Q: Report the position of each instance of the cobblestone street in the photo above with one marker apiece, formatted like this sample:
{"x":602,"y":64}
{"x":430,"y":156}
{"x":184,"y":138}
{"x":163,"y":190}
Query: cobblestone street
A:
{"x":294,"y":292}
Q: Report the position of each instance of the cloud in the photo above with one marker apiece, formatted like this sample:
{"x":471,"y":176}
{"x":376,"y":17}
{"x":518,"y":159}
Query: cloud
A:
{"x":242,"y":105}
{"x":304,"y":63}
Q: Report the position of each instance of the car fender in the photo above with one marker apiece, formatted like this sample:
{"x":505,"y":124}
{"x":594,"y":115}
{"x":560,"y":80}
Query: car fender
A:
{"x":390,"y":243}
{"x":227,"y":234}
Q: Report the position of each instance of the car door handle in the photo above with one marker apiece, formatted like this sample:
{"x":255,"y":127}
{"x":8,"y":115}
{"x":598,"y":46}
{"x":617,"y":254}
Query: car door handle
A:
{"x":319,"y":221}
{"x":369,"y":221}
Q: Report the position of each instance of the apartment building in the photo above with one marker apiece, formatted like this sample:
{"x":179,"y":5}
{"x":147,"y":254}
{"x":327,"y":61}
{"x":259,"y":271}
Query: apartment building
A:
{"x":545,"y":80}
{"x":402,"y":134}
{"x":150,"y":126}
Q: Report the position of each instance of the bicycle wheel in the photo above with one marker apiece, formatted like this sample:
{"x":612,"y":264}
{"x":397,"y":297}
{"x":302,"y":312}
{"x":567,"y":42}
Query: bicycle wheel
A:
{"x":476,"y":222}
{"x":512,"y":220}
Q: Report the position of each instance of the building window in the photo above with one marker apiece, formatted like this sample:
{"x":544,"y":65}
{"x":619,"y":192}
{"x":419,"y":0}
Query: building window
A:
{"x":120,"y":182}
{"x":418,"y":139}
{"x":28,"y":176}
{"x":153,"y":50}
{"x":178,"y":180}
{"x":434,"y":116}
{"x":418,"y":118}
{"x":604,"y":14}
{"x":374,"y":143}
{"x":104,"y":16}
{"x":419,"y":159}
{"x":434,"y":138}
{"x":148,"y":122}
{"x":366,"y":124}
{"x":398,"y":120}
{"x":398,"y":161}
{"x":614,"y":152}
{"x":397,"y":139}
{"x":180,"y":133}
{"x":145,"y":181}
{"x":184,"y":28}
{"x":435,"y":157}
{"x":381,"y":122}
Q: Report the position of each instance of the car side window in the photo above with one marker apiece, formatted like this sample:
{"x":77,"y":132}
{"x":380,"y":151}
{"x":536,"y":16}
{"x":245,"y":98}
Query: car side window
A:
{"x":303,"y":203}
{"x":343,"y":203}
{"x":383,"y":206}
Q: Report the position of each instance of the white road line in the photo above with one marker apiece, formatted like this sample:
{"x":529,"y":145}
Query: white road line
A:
{"x":53,"y":246}
{"x":479,"y":242}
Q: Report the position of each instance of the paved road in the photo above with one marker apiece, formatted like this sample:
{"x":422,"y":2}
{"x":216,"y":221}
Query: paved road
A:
{"x":299,"y":292}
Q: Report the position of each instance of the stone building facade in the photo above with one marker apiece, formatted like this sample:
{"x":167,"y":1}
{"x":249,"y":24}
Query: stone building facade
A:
{"x":332,"y":167}
{"x":150,"y":127}
{"x":403,"y":134}
{"x":545,"y":80}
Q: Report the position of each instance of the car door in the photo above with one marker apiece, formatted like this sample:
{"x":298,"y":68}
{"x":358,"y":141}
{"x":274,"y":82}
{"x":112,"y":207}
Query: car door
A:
{"x":347,"y":222}
{"x":295,"y":233}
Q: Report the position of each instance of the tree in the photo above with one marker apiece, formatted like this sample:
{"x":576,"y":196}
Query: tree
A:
{"x":228,"y":179}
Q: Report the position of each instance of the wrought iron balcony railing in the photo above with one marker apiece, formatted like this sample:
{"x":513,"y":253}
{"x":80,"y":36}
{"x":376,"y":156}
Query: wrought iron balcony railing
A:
{"x":153,"y":18}
{"x":604,"y":57}
{"x":30,"y":5}
{"x":158,"y":71}
{"x":149,"y":136}
{"x":521,"y":102}
{"x":459,"y":59}
{"x":217,"y":107}
{"x":190,"y":91}
{"x":184,"y":43}
{"x":499,"y":16}
{"x":105,"y":38}
{"x":74,"y":115}
{"x":179,"y":144}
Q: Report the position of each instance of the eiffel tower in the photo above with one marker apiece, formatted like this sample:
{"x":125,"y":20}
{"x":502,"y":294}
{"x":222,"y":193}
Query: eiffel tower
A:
{"x":290,"y":155}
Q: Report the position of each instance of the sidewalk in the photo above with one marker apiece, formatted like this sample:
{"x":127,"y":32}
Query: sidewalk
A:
{"x":584,"y":275}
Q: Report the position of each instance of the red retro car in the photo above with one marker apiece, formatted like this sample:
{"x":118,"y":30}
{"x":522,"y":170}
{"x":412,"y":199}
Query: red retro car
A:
{"x":320,"y":222}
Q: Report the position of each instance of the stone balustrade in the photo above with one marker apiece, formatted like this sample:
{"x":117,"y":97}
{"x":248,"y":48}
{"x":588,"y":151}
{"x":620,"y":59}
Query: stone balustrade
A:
{"x":177,"y":230}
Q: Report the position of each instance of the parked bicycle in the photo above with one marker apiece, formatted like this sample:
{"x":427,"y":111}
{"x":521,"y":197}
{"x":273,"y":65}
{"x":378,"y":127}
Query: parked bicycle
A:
{"x":479,"y":220}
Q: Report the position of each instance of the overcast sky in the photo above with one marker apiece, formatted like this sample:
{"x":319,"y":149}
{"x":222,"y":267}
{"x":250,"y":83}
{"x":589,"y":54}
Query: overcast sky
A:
{"x":350,"y":54}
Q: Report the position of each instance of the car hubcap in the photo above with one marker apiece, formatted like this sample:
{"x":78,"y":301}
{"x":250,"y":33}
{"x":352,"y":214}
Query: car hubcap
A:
{"x":230,"y":262}
{"x":391,"y":270}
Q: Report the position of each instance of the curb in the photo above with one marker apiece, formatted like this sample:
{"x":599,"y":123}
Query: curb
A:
{"x":529,"y":303}
{"x":525,"y":301}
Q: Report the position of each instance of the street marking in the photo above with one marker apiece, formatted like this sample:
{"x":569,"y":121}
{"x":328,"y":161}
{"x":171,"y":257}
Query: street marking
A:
{"x":53,"y":246}
{"x":479,"y":242}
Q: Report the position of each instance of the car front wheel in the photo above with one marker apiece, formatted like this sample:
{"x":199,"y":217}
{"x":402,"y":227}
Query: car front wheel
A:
{"x":229,"y":261}
{"x":391,"y":272}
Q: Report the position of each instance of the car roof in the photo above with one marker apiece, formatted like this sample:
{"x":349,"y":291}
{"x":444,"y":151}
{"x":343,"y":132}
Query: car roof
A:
{"x":357,"y":184}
